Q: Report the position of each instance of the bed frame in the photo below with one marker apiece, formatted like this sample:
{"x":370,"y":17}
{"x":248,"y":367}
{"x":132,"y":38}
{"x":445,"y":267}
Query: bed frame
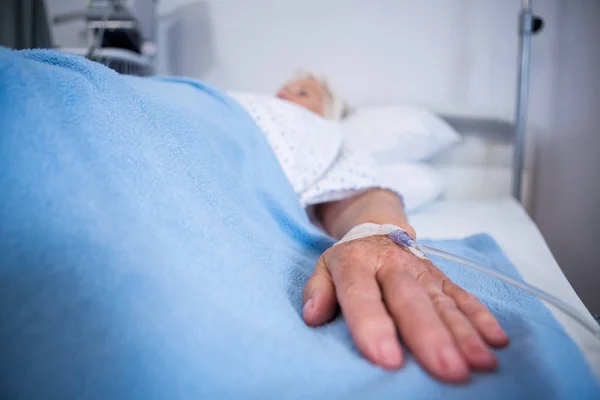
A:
{"x":529,"y":24}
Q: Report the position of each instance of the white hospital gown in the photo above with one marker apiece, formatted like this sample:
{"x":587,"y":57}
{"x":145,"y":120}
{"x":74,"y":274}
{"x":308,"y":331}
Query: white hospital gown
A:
{"x":320,"y":165}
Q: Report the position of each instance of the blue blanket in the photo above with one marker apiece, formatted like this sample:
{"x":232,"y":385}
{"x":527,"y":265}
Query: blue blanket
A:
{"x":151,"y":248}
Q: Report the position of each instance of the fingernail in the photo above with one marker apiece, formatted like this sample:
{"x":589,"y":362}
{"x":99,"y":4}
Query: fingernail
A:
{"x":389,"y":352}
{"x":450,"y":360}
{"x":308,"y":306}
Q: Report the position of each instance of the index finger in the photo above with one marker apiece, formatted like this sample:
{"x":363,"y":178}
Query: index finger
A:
{"x":368,"y":321}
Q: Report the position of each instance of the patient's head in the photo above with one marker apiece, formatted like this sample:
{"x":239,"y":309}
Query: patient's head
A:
{"x":312,"y":93}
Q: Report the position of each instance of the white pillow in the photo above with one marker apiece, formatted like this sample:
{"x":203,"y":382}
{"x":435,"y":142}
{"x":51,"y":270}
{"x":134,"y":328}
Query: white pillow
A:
{"x":419,"y":184}
{"x":395,"y":134}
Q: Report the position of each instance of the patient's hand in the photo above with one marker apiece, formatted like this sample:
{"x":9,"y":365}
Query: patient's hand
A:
{"x":384,"y":290}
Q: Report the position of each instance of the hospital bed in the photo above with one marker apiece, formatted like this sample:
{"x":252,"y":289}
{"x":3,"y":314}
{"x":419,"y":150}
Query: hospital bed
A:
{"x":141,"y":240}
{"x":465,"y":209}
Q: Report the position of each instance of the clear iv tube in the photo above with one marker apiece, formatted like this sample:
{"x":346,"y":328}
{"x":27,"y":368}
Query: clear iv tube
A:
{"x":592,"y":327}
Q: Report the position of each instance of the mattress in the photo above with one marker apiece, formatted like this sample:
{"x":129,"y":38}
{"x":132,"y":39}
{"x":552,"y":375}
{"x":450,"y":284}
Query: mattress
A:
{"x":506,"y":221}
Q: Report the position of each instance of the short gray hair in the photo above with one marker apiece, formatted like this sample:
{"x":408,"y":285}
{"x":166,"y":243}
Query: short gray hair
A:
{"x":335,"y":109}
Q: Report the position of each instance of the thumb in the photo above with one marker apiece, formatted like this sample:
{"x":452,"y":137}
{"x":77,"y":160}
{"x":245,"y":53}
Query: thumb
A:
{"x":318,"y":298}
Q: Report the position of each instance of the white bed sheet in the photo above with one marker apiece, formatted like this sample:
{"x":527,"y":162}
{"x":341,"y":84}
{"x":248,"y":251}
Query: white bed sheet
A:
{"x":518,"y":236}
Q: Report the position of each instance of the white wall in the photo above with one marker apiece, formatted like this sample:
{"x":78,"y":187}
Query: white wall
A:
{"x":567,"y":190}
{"x":454,"y":56}
{"x":457,"y":56}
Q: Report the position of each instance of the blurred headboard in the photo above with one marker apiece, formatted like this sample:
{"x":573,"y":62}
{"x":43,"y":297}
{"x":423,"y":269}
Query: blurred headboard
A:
{"x":486,"y":143}
{"x":494,"y":130}
{"x":480,"y":165}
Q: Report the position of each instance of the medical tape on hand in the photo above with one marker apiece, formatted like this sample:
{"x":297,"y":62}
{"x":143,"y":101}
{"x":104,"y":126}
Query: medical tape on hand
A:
{"x":394,"y":232}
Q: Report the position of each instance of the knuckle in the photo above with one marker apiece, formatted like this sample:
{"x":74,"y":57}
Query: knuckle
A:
{"x":484,"y":317}
{"x":468,"y":300}
{"x":435,"y":272}
{"x":427,"y":278}
{"x":423,"y":276}
{"x":321,"y":260}
{"x":427,"y":273}
{"x":441,"y":301}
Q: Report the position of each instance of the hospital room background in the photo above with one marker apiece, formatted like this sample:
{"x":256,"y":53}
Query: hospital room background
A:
{"x":454,"y":57}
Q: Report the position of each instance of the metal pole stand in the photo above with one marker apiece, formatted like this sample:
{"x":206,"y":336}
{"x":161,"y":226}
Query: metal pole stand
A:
{"x":528,"y":25}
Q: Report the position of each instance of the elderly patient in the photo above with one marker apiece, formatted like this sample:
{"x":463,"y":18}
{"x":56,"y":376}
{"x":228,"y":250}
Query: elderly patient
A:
{"x":384,"y":291}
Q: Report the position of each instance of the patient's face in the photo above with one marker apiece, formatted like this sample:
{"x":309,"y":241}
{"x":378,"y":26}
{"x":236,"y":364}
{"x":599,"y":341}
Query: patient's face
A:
{"x":305,"y":92}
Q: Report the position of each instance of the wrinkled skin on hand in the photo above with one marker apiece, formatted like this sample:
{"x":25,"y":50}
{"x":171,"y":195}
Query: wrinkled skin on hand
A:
{"x":385,"y":293}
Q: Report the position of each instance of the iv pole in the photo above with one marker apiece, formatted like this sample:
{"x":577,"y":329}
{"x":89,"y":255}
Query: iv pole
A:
{"x":529,"y":24}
